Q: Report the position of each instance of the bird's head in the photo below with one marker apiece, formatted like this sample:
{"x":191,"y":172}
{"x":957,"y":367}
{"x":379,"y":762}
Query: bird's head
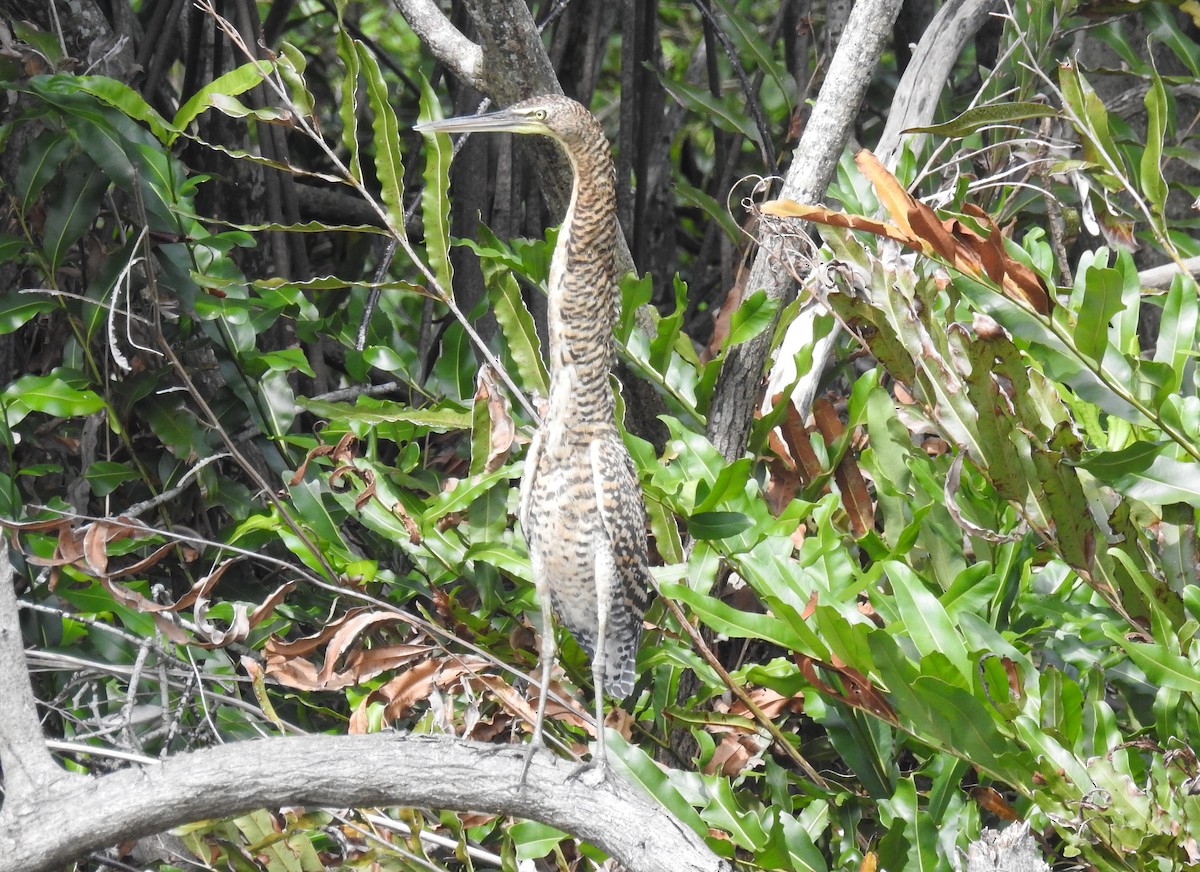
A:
{"x":551,"y":115}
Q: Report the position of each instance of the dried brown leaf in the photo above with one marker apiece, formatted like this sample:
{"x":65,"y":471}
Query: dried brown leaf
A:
{"x":856,"y":498}
{"x":268,"y":606}
{"x":502,"y":430}
{"x":729,"y":758}
{"x":918,"y":227}
{"x":989,"y":799}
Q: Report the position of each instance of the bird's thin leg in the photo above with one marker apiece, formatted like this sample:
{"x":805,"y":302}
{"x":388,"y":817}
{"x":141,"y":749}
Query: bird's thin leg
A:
{"x":546,"y":656}
{"x":601,"y":755}
{"x":599,"y":761}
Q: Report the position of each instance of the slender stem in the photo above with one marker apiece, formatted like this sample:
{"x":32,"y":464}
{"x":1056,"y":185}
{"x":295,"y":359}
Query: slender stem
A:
{"x":740,"y":692}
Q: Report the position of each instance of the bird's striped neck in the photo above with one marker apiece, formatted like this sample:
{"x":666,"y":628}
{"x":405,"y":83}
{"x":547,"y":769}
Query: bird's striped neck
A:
{"x":583,"y":293}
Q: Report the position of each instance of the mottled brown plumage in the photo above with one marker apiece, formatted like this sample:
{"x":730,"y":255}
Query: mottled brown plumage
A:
{"x":582,"y":511}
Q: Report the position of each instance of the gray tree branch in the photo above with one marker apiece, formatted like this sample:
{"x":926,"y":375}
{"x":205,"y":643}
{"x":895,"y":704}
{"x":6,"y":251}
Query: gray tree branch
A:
{"x":447,"y":43}
{"x":50,"y":817}
{"x":350,"y":771}
{"x":913,"y":105}
{"x":813,"y":164}
{"x":925,"y":77}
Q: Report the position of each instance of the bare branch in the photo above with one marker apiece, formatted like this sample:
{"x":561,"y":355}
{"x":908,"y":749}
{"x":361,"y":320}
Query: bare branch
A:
{"x":1160,"y":277}
{"x":925,"y":77}
{"x":446,"y":42}
{"x":351,"y":771}
{"x":813,"y":164}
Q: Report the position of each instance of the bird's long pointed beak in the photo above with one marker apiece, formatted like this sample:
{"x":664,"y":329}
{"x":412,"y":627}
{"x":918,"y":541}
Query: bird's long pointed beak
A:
{"x":501,"y":121}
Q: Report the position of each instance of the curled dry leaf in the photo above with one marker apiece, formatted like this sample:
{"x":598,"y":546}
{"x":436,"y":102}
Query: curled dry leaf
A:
{"x":730,"y":758}
{"x":916,"y":226}
{"x":502,"y":431}
{"x":344,"y":642}
{"x":771,"y":703}
{"x":342,"y":453}
{"x":795,"y":436}
{"x":86,"y":548}
{"x":859,"y":692}
{"x":427,"y":678}
{"x":410,"y":525}
{"x":783,"y":479}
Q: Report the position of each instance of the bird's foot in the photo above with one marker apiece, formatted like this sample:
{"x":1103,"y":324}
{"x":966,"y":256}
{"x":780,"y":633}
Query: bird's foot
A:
{"x":590,"y":773}
{"x":594,"y":772}
{"x":531,"y":749}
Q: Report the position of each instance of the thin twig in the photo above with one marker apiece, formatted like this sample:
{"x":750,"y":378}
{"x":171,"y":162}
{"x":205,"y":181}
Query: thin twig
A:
{"x":740,"y":692}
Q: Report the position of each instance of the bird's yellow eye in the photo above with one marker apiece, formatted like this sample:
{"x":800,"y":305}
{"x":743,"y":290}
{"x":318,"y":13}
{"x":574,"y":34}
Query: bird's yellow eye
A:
{"x":540,"y":114}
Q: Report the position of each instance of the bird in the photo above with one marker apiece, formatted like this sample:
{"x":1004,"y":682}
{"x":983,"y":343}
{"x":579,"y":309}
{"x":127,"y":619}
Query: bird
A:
{"x":582,"y":512}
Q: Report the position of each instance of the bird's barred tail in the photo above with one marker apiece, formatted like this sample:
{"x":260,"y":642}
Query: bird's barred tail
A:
{"x":624,"y":634}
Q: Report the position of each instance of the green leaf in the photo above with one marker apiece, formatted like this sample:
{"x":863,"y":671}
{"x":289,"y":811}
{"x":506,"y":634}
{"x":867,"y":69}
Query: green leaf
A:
{"x":717,"y":525}
{"x":435,"y":199}
{"x":534,"y":840}
{"x":348,"y":104}
{"x":231,"y":84}
{"x":1163,"y":668}
{"x":1153,"y":183}
{"x":733,"y":622}
{"x":51,"y":395}
{"x":71,"y":211}
{"x":284,"y":360}
{"x":1165,"y":481}
{"x":235,"y":108}
{"x":120,"y":96}
{"x":44,"y":42}
{"x":104,"y":476}
{"x":388,"y":165}
{"x":1090,"y":117}
{"x":725,"y":812}
{"x":520,"y":335}
{"x":1108,"y":466}
{"x":465,"y":492}
{"x":1102,"y":288}
{"x":975,"y":119}
{"x":440,"y":418}
{"x":291,"y":64}
{"x":16,"y":310}
{"x":730,"y":484}
{"x":1177,"y":329}
{"x":641,"y":769}
{"x":705,"y":105}
{"x":668,"y":330}
{"x":752,"y":317}
{"x":713,"y":208}
{"x":43,"y":158}
{"x":929,"y":627}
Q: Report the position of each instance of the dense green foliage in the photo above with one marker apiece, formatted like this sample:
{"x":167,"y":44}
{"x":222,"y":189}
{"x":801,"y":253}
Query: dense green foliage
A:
{"x":966,"y":595}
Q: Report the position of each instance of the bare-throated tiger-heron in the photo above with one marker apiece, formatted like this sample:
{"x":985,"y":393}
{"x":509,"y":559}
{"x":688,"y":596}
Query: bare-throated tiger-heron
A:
{"x":582,"y":511}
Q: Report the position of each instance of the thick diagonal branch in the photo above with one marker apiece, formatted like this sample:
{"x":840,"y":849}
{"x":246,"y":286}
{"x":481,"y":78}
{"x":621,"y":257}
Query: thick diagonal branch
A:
{"x":353,"y":771}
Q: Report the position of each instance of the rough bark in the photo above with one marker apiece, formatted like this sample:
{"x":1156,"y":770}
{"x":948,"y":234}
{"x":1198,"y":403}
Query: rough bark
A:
{"x":29,"y":769}
{"x":50,"y":818}
{"x":1009,"y":850}
{"x":348,"y":771}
